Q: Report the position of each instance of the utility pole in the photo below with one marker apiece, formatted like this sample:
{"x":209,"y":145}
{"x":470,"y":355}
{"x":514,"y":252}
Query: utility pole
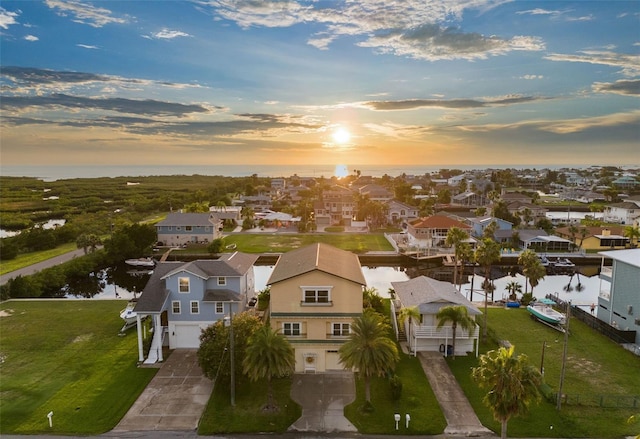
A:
{"x":564,"y":355}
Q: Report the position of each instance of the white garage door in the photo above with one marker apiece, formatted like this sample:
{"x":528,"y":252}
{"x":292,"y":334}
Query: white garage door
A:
{"x":187,"y":336}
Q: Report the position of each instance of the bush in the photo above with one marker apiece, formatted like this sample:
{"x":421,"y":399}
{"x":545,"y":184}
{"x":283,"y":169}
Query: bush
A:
{"x":396,"y":387}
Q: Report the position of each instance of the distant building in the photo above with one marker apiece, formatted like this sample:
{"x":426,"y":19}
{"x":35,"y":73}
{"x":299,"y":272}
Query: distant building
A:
{"x":188,"y":228}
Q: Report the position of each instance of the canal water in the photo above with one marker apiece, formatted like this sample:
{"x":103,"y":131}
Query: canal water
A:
{"x":581,"y":289}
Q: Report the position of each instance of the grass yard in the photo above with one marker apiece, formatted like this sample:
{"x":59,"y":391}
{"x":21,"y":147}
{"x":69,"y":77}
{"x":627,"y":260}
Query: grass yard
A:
{"x":66,"y":356}
{"x":247,"y":416}
{"x":417,"y":399}
{"x":595,"y":366}
{"x":24,"y":260}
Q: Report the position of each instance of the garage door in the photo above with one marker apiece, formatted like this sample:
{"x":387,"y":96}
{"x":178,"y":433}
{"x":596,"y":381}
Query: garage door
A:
{"x":332,"y":361}
{"x":187,"y":336}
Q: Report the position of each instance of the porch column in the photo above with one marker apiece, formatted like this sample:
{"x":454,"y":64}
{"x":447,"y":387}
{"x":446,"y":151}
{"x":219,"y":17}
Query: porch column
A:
{"x":139,"y":331}
{"x":158,"y":327}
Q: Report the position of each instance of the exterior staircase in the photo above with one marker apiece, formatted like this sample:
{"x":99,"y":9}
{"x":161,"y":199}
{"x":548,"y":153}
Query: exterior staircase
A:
{"x":156,"y":345}
{"x":401,"y":334}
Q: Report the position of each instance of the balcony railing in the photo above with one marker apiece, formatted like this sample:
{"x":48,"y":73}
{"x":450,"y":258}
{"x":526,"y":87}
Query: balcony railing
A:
{"x":420,"y":331}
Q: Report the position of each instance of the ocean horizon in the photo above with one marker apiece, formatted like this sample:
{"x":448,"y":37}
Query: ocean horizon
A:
{"x":52,"y":173}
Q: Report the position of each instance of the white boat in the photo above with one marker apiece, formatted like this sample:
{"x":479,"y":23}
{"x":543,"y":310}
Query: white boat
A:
{"x":546,"y":313}
{"x":128,"y":314}
{"x":141,"y":262}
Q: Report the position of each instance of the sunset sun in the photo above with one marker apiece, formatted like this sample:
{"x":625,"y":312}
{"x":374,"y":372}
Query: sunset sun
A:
{"x":341,"y":136}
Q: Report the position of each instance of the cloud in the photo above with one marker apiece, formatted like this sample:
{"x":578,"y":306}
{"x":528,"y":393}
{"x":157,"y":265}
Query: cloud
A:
{"x":167,"y":34}
{"x":411,"y":28}
{"x":133,"y":106}
{"x":623,"y":87}
{"x":7,"y":18}
{"x":529,"y":77}
{"x":411,"y":104}
{"x":629,"y":64}
{"x":87,"y":46}
{"x":85,"y":13}
{"x":31,"y":38}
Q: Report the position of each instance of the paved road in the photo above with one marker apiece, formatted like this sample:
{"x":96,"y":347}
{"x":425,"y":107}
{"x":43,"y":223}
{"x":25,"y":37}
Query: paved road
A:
{"x":31,"y":269}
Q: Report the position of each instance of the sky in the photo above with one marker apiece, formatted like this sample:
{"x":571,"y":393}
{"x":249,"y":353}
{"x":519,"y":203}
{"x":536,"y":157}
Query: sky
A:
{"x":367,"y":82}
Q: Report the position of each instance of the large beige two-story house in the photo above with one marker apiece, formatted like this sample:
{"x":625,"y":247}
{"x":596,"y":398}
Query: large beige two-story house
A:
{"x":316,"y":292}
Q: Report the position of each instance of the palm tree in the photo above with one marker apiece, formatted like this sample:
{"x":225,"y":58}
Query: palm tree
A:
{"x":268,"y":355}
{"x":535,"y":272}
{"x":458,"y":316}
{"x":633,"y":233}
{"x":455,"y":237}
{"x":511,"y":381}
{"x":487,"y":253}
{"x":369,"y":348}
{"x":412,"y":313}
{"x":513,"y":288}
{"x":527,"y":259}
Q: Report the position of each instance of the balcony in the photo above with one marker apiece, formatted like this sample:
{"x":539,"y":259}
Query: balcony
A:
{"x":445,"y":332}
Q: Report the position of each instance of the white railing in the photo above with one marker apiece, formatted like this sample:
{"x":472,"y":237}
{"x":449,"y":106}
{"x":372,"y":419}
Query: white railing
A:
{"x":420,"y":331}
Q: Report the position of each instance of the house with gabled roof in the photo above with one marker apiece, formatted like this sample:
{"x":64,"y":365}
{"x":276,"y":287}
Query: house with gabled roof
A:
{"x":188,"y":228}
{"x":429,"y":296}
{"x":399,"y":212}
{"x":430,"y":232}
{"x":316,"y":292}
{"x":626,"y":212}
{"x":183,"y":298}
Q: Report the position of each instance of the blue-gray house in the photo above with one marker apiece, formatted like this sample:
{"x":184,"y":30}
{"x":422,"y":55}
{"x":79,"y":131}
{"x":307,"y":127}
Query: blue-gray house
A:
{"x":189,"y":228}
{"x":183,"y":298}
{"x":619,"y":299}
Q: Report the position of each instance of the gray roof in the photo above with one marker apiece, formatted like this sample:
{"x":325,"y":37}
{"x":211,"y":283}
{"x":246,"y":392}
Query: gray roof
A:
{"x":429,"y":295}
{"x":321,"y":257}
{"x":223,"y":295}
{"x":186,"y":219}
{"x":628,"y":256}
{"x":155,"y":293}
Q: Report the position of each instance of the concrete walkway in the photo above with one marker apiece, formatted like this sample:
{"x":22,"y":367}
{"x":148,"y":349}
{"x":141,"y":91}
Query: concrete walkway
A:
{"x":323,"y":397}
{"x":461,"y":419}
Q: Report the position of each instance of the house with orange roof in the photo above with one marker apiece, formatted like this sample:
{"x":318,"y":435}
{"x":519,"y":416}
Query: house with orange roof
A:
{"x":430,"y":232}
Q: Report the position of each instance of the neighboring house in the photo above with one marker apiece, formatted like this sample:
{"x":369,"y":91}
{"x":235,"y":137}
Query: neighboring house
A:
{"x":401,"y":213}
{"x":183,"y":298}
{"x":515,"y":197}
{"x":596,"y":237}
{"x":627,"y":212}
{"x":625,"y":182}
{"x":258,"y":203}
{"x":376,"y":192}
{"x":467,"y":198}
{"x":316,"y":292}
{"x":432,"y":231}
{"x":429,"y":296}
{"x":478,"y":224}
{"x":337,"y":206}
{"x":227,"y":213}
{"x":186,"y":228}
{"x":619,"y":305}
{"x":540,"y":241}
{"x":535,"y":212}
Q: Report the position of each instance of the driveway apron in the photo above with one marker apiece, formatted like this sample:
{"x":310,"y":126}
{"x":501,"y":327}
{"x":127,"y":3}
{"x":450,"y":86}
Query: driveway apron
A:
{"x":174,"y":399}
{"x":323,"y":397}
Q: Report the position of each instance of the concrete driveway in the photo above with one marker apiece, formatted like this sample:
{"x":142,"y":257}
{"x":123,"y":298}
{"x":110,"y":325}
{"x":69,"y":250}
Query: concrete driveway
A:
{"x":323,"y":397}
{"x":174,"y":399}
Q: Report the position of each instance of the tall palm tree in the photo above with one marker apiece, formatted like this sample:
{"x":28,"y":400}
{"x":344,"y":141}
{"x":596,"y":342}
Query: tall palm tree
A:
{"x":535,"y":273}
{"x":458,"y":316}
{"x":486,"y":254}
{"x":512,"y":384}
{"x":527,"y":259}
{"x":268,"y":355}
{"x":633,"y":233}
{"x":369,"y":348}
{"x":455,"y":237}
{"x":412,"y":313}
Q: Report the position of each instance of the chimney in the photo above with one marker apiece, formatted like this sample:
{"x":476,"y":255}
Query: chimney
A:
{"x":606,"y":232}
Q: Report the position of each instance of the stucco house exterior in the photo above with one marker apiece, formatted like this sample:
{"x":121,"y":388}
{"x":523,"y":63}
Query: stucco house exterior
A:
{"x":399,"y":212}
{"x":429,"y":296}
{"x":185,"y":228}
{"x":336,"y":206}
{"x":619,"y":299}
{"x":316,"y":292}
{"x":431,"y":232}
{"x":183,"y":298}
{"x":596,"y":237}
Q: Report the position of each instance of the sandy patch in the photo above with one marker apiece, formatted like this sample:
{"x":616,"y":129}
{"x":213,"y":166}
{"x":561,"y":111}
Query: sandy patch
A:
{"x":6,"y":312}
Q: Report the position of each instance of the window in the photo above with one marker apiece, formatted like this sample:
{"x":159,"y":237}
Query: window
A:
{"x":175,"y":307}
{"x":188,"y":228}
{"x":195,"y":307}
{"x":222,"y":281}
{"x":219,"y":307}
{"x":316,"y":296}
{"x":183,"y":284}
{"x":340,"y":329}
{"x":291,"y":328}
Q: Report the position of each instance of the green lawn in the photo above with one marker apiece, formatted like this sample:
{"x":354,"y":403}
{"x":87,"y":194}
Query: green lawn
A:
{"x":595,"y":366}
{"x":66,"y":356}
{"x":24,"y":260}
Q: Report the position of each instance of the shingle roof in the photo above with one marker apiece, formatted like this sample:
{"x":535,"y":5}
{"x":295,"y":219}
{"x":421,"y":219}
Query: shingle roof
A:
{"x":321,"y":257}
{"x":438,"y":222}
{"x":186,"y":219}
{"x":429,"y":295}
